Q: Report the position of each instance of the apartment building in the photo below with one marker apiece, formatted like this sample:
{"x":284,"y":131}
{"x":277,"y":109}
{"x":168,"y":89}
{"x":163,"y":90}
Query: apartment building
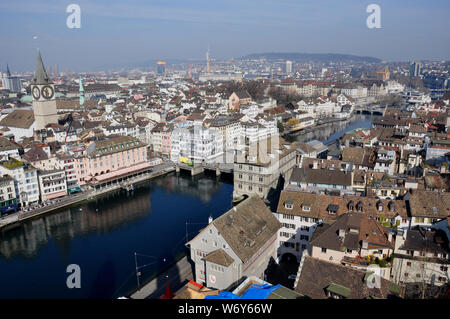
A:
{"x":258,"y":168}
{"x":52,"y":184}
{"x":428,"y":207}
{"x":25,"y":180}
{"x":231,"y":129}
{"x":197,"y":143}
{"x":302,"y":213}
{"x":67,"y":163}
{"x":421,"y":256}
{"x":8,"y":198}
{"x":351,"y":235}
{"x":109,"y":158}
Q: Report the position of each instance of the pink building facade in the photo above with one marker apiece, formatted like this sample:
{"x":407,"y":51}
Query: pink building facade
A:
{"x":113,"y":156}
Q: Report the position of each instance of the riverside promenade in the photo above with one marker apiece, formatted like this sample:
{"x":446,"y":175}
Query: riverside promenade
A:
{"x":179,"y":274}
{"x":20,"y":216}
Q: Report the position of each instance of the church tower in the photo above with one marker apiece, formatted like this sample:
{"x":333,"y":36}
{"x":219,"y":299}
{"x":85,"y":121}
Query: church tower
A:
{"x":43,"y":91}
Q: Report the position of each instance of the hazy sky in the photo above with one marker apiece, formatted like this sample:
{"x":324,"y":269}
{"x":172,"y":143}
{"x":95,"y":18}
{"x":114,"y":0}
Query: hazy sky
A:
{"x":133,"y":31}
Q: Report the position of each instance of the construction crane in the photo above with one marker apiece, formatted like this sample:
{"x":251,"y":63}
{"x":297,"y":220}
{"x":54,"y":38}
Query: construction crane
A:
{"x":208,"y":60}
{"x":386,"y":74}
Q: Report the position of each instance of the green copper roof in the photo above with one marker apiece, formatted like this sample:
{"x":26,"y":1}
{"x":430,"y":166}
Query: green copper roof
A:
{"x":12,"y":163}
{"x":339,"y":290}
{"x":40,"y":75}
{"x":394,"y":288}
{"x":26,"y":99}
{"x":284,"y":293}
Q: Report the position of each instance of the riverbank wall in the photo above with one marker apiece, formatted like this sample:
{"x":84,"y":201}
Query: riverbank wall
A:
{"x":16,"y":218}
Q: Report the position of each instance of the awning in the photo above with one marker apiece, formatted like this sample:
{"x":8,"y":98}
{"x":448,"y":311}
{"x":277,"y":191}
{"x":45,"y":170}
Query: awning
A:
{"x":74,"y":190}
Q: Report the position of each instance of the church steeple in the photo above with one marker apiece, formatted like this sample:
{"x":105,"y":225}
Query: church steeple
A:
{"x":40,"y":75}
{"x":8,"y":73}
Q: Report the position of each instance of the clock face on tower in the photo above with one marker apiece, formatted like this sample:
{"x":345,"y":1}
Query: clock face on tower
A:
{"x":36,"y":93}
{"x":47,"y":92}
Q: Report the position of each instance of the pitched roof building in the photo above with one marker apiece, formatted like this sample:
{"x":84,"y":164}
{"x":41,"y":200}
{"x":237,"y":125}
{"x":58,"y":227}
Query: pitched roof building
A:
{"x":239,"y":243}
{"x":319,"y":279}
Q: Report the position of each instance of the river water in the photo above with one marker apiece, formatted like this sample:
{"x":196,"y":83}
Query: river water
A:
{"x":332,"y":131}
{"x":102,"y":235}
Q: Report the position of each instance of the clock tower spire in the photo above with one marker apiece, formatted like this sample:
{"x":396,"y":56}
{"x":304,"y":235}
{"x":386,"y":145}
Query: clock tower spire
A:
{"x":43,"y":91}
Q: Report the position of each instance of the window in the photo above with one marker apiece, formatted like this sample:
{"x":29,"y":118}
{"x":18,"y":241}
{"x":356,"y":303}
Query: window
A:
{"x":408,"y":264}
{"x":444,"y":268}
{"x":324,"y":250}
{"x":406,"y":274}
{"x":349,"y":251}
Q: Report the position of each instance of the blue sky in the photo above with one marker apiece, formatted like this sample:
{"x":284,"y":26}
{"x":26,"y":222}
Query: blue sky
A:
{"x":133,"y":31}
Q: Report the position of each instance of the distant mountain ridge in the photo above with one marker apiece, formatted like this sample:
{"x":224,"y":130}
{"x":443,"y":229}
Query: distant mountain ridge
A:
{"x":316,"y":57}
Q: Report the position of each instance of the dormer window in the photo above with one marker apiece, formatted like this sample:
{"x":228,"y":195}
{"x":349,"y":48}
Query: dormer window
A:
{"x":391,"y":206}
{"x":380,"y":206}
{"x":306,"y":207}
{"x":359,"y":206}
{"x":350,"y":205}
{"x":332,"y":209}
{"x":289,"y":204}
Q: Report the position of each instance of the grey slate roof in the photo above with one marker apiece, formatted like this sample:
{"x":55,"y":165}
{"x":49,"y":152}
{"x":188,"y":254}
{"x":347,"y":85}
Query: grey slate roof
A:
{"x":219,"y":257}
{"x":317,"y":276}
{"x":321,"y":176}
{"x":367,"y":229}
{"x":247,"y":227}
{"x":420,"y":239}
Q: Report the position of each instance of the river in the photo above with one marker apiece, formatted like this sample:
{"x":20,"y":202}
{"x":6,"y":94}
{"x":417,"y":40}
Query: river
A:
{"x":330,"y":132}
{"x":102,"y":235}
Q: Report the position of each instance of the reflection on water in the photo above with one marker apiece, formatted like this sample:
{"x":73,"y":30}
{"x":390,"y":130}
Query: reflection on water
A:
{"x":102,"y":235}
{"x":332,"y":131}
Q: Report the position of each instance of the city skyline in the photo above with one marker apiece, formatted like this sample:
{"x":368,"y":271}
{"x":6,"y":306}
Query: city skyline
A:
{"x":114,"y":34}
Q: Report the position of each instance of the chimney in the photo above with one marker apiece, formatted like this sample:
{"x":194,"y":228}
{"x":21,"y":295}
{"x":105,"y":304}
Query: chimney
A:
{"x":315,"y":165}
{"x":342,"y":233}
{"x":365,"y":244}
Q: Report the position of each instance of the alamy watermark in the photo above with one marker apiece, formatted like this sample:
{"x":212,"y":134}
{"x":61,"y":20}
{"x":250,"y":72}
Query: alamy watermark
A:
{"x":374,"y":19}
{"x":373,"y":277}
{"x":74,"y":19}
{"x":74,"y":279}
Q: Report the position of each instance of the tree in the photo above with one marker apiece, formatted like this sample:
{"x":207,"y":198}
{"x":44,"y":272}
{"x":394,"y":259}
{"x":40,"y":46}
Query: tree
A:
{"x":280,"y":127}
{"x":292,"y":121}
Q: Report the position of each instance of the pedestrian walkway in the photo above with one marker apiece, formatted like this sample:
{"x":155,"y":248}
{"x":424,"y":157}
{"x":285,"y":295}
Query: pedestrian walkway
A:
{"x":178,"y":275}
